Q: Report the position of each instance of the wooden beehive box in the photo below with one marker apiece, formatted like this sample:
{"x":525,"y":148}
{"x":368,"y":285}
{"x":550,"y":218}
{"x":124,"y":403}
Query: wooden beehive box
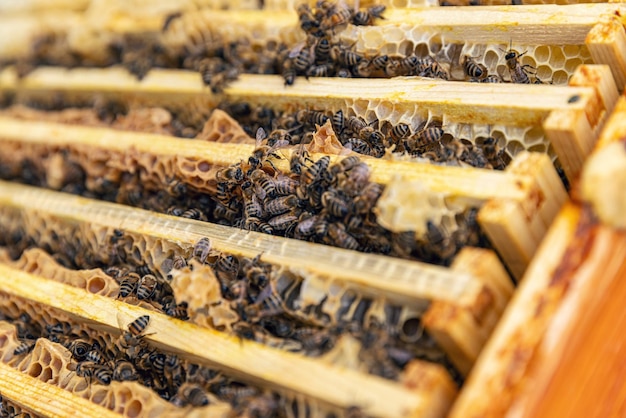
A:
{"x":395,"y":329}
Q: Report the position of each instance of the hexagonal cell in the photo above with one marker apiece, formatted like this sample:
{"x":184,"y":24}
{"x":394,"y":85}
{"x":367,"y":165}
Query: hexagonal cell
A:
{"x":560,"y":77}
{"x":572,"y":64}
{"x":557,"y":58}
{"x":533,"y":136}
{"x":542,"y":54}
{"x":543,"y":73}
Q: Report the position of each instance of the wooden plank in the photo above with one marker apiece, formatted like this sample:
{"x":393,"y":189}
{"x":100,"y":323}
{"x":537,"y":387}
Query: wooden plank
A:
{"x":454,"y":181}
{"x":607,"y":45}
{"x":521,"y":187}
{"x":493,"y":385}
{"x":400,"y":280}
{"x":584,"y":341}
{"x":45,"y":399}
{"x":547,"y":24}
{"x":250,"y":361}
{"x":406,"y":97}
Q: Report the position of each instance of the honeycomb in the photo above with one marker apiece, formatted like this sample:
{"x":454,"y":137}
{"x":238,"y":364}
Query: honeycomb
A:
{"x":11,"y":409}
{"x":49,"y":362}
{"x":36,"y":261}
{"x":317,"y":302}
{"x":312,"y":303}
{"x":53,"y":363}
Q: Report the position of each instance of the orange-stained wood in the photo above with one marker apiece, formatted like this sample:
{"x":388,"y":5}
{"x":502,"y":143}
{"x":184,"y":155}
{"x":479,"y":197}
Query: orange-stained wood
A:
{"x":583,"y":374}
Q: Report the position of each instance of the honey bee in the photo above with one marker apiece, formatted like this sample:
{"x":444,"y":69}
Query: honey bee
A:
{"x":493,"y":153}
{"x":190,"y":394}
{"x":283,"y":222}
{"x":443,"y":246}
{"x":363,"y":69}
{"x":236,"y":394}
{"x":232,"y":173}
{"x":202,"y":249}
{"x":264,"y":182}
{"x":425,"y":137}
{"x":89,"y":370}
{"x":79,"y":349}
{"x":367,"y":199}
{"x":289,"y":73}
{"x":344,"y":165}
{"x":285,"y":186}
{"x":344,"y":56}
{"x":338,"y":122}
{"x":473,"y":69}
{"x":316,"y":172}
{"x":400,"y":131}
{"x":299,"y":159}
{"x":408,"y":65}
{"x":95,"y":355}
{"x":334,"y":205}
{"x":139,"y":325}
{"x":302,"y":56}
{"x":227,"y":266}
{"x":306,"y":225}
{"x":338,"y":15}
{"x":124,"y":370}
{"x":311,"y":117}
{"x":314,"y":340}
{"x":146,"y":287}
{"x":143,"y":270}
{"x":173,"y":371}
{"x":379,"y":63}
{"x":265,"y":406}
{"x":322,"y":51}
{"x":476,"y":157}
{"x":252,"y":206}
{"x":178,"y":311}
{"x":340,"y":237}
{"x":220,"y":80}
{"x":492,"y":78}
{"x":261,"y":153}
{"x":359,"y":146}
{"x":519,"y":73}
{"x":26,"y":328}
{"x":179,"y":262}
{"x":321,"y":227}
{"x":429,"y":67}
{"x":175,"y":211}
{"x":194,"y":213}
{"x":356,"y":124}
{"x":225,"y":193}
{"x":24,"y":347}
{"x":281,"y":205}
{"x":308,"y":23}
{"x":58,"y":331}
{"x":366,"y":17}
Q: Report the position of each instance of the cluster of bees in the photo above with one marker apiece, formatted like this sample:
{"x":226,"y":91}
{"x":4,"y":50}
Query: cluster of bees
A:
{"x":373,"y":139}
{"x":266,"y":312}
{"x":220,"y":61}
{"x":316,"y":201}
{"x":324,"y":203}
{"x":102,"y":359}
{"x":8,"y":410}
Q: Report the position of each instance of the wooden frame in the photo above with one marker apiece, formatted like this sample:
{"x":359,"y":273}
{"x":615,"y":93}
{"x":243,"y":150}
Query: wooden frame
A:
{"x":562,"y":324}
{"x":476,"y":286}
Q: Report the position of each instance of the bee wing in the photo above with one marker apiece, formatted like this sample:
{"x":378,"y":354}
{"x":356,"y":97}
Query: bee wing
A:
{"x":296,"y":49}
{"x":260,"y":136}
